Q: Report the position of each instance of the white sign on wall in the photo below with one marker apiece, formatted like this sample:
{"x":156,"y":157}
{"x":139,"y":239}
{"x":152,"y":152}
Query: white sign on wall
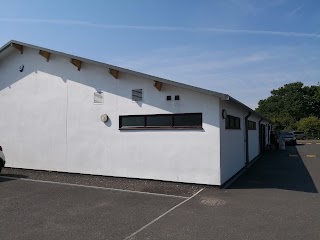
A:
{"x":98,"y":98}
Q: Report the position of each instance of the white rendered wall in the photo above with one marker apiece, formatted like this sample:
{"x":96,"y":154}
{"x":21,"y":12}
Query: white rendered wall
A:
{"x":253,"y":139}
{"x":233,"y":148}
{"x":33,"y":112}
{"x":51,"y":123}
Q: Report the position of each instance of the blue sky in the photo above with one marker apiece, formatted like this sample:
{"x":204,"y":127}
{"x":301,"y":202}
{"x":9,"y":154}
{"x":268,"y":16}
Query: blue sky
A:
{"x":244,"y":48}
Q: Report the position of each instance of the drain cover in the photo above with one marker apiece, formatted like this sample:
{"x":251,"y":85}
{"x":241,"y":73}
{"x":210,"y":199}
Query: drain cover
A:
{"x":213,"y":201}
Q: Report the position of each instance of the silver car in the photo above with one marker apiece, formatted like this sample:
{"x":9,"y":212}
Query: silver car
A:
{"x":2,"y":159}
{"x":299,"y":135}
{"x":288,"y":138}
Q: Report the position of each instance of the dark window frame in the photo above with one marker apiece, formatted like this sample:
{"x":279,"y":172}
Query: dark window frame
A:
{"x":252,"y":125}
{"x":233,"y":122}
{"x":121,"y":127}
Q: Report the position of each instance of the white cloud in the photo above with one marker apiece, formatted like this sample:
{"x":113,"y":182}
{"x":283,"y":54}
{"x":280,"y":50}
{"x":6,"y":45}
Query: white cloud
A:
{"x":248,"y":75}
{"x":162,"y":28}
{"x":295,"y":10}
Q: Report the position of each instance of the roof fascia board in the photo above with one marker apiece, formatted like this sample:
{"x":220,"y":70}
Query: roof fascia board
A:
{"x":4,"y":47}
{"x":247,"y":108}
{"x":143,"y":75}
{"x":222,"y":96}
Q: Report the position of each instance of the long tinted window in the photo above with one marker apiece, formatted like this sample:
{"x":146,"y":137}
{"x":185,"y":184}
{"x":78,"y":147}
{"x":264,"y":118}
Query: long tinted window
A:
{"x":159,"y":120}
{"x":186,"y":120}
{"x":132,"y":121}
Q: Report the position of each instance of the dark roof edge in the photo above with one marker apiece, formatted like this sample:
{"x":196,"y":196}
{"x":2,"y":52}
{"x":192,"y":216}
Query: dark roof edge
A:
{"x":4,"y":47}
{"x":249,"y":109}
{"x":222,"y":96}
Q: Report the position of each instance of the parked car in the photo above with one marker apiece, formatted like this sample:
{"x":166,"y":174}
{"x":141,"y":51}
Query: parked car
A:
{"x":288,"y":138}
{"x":299,"y":134}
{"x":2,"y":159}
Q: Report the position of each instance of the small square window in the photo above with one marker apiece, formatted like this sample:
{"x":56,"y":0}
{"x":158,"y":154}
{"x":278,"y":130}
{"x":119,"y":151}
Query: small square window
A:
{"x":252,"y":125}
{"x":176,"y":97}
{"x":168,"y":98}
{"x":232,"y":122}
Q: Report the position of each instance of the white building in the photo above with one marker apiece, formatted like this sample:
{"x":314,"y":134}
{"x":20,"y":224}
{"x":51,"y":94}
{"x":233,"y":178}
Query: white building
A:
{"x":51,"y":106}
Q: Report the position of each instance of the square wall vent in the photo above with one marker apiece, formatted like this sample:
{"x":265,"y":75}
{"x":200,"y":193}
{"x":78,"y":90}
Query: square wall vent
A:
{"x":137,"y":95}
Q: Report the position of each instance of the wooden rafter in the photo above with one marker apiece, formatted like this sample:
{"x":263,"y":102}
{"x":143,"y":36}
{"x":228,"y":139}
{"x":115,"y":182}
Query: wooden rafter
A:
{"x":114,"y":73}
{"x":45,"y":54}
{"x":76,"y":62}
{"x":18,"y":46}
{"x":157,"y":85}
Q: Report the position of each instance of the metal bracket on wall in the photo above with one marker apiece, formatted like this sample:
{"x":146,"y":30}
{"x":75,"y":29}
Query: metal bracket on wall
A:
{"x":18,"y":46}
{"x":76,"y":63}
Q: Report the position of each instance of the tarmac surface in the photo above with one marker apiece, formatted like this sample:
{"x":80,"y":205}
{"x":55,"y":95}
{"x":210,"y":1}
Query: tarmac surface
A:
{"x":277,"y":198}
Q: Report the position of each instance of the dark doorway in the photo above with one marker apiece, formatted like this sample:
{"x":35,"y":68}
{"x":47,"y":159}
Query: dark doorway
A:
{"x":262,"y":138}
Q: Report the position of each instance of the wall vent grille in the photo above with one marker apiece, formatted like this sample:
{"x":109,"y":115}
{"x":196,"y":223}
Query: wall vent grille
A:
{"x":137,"y":95}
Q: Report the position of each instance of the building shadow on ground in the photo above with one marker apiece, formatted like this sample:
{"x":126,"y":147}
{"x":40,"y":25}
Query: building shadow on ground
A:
{"x":10,"y":177}
{"x":280,"y":170}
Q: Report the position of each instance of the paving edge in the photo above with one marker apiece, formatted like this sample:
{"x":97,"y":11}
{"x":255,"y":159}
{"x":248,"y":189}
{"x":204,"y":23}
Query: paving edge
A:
{"x":94,"y":187}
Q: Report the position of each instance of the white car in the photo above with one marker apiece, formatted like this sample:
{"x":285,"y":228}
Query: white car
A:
{"x":288,"y":138}
{"x":2,"y":159}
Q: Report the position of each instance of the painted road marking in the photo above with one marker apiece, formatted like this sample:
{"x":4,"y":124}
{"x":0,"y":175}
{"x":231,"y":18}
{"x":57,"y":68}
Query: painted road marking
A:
{"x":308,"y":143}
{"x":311,"y":156}
{"x":318,"y":143}
{"x":293,"y":155}
{"x":95,"y":187}
{"x":156,"y":219}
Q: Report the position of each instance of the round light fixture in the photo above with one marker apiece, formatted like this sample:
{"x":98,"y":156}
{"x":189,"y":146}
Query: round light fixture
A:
{"x":21,"y":68}
{"x":224,"y":113}
{"x":104,"y":117}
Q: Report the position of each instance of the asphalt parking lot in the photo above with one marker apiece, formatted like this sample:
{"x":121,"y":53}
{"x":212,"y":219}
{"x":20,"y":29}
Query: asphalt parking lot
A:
{"x":277,"y":198}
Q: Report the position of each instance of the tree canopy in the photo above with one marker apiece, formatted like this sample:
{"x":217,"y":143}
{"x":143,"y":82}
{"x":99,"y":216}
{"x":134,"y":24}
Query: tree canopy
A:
{"x":309,"y":124}
{"x":290,"y":104}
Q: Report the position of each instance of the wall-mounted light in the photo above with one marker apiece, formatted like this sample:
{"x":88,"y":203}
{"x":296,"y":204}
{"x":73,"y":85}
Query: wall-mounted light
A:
{"x":21,"y":68}
{"x":104,"y":118}
{"x":224,"y":113}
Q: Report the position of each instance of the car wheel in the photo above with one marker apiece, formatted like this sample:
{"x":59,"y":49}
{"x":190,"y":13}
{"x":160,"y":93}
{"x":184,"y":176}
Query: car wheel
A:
{"x":304,"y":138}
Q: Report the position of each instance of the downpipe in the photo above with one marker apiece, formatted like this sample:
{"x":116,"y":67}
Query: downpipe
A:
{"x":260,"y":149}
{"x":247,"y":137}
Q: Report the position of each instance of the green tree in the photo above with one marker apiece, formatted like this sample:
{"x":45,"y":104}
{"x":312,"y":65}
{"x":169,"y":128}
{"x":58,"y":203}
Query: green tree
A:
{"x":312,"y":99}
{"x":290,"y":103}
{"x":309,"y":124}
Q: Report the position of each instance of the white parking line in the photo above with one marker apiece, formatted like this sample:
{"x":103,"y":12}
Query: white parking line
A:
{"x":156,"y":219}
{"x":311,"y":156}
{"x":95,"y":187}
